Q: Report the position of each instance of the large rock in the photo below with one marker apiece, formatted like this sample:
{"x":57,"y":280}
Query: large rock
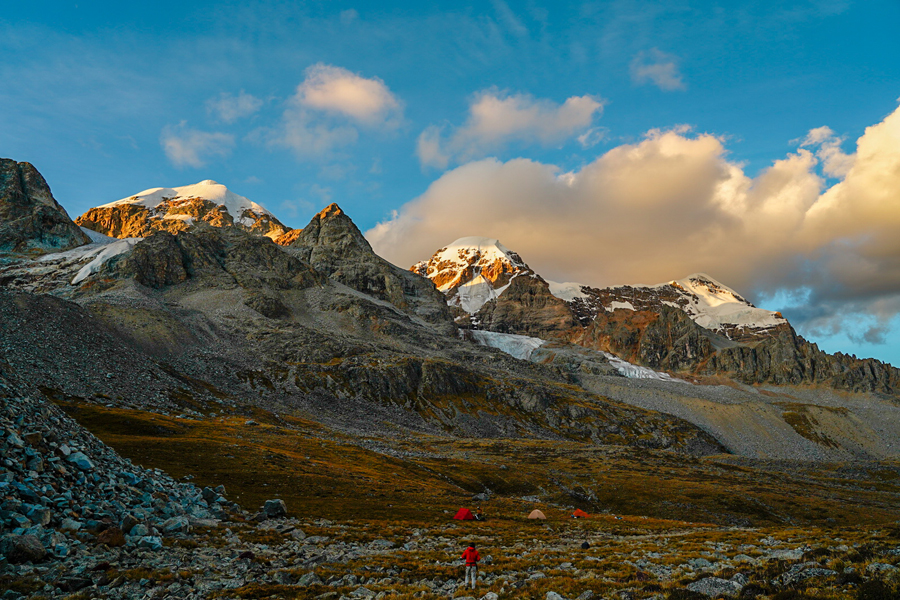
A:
{"x":112,"y":536}
{"x":31,"y":221}
{"x":715,"y":587}
{"x":274,"y":509}
{"x":22,"y":548}
{"x":333,"y":245}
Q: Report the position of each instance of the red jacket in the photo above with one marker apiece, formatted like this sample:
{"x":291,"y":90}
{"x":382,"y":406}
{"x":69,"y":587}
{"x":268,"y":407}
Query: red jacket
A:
{"x":471,"y":555}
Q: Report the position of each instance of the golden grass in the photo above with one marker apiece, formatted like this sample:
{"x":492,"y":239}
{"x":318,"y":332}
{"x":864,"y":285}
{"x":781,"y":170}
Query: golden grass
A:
{"x":322,"y":473}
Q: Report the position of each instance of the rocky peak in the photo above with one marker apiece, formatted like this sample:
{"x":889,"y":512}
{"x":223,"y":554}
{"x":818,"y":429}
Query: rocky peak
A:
{"x":330,"y":234}
{"x":31,"y":220}
{"x":472,"y":271}
{"x":185,"y":208}
{"x":335,"y":246}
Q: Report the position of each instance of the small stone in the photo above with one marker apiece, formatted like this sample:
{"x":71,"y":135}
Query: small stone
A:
{"x":81,"y":461}
{"x":283,"y":578}
{"x":128,"y":523}
{"x":150,"y":542}
{"x":176,"y":525}
{"x":309,"y":579}
{"x":34,"y":437}
{"x":554,"y":596}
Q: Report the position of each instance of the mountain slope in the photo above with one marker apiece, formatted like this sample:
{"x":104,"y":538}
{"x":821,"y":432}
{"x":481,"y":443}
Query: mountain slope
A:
{"x":180,"y":209}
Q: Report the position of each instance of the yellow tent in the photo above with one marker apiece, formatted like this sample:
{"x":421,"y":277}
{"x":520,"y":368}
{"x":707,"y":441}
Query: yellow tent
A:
{"x":536,"y":514}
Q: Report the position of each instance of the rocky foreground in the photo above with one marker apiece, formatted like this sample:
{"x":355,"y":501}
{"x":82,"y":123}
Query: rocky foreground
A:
{"x":602,"y":557}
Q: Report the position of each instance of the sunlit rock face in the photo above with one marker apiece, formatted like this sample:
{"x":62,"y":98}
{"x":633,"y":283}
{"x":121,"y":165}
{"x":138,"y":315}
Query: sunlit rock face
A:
{"x":181,"y":209}
{"x":31,"y":221}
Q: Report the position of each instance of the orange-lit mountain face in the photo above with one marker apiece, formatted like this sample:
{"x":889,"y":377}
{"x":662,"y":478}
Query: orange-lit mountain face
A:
{"x":181,"y":209}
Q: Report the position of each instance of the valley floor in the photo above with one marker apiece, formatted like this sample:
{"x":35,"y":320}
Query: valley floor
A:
{"x":372,"y":517}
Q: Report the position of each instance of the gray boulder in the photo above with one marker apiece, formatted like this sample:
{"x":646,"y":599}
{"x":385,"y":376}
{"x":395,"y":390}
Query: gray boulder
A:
{"x":274,"y":509}
{"x":714,"y":586}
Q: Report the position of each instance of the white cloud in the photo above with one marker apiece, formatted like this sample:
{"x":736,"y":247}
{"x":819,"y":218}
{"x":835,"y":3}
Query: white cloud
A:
{"x":329,"y":106}
{"x":496,"y":119}
{"x":658,"y":68}
{"x":835,"y":162}
{"x":190,"y":147}
{"x":674,"y":204}
{"x":229,"y":108}
{"x":338,"y":91}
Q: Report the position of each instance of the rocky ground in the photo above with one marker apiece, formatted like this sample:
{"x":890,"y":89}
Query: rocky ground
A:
{"x":600,"y":557}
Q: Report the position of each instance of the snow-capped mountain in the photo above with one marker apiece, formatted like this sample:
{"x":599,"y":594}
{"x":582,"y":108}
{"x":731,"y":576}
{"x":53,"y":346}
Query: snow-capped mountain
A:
{"x":709,"y":303}
{"x":179,"y":209}
{"x":475,"y":270}
{"x":472,"y":271}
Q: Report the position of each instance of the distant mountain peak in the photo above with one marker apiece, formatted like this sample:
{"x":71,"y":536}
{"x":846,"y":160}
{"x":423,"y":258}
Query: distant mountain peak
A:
{"x":180,"y":209}
{"x":472,"y":270}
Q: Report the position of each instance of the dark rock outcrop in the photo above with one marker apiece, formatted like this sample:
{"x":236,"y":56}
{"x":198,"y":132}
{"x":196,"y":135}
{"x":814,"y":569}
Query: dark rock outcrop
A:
{"x":31,"y":221}
{"x":333,"y":245}
{"x":527,"y":307}
{"x":216,"y":256}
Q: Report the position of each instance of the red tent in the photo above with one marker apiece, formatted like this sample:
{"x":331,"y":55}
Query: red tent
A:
{"x":580,"y":514}
{"x":464,"y":514}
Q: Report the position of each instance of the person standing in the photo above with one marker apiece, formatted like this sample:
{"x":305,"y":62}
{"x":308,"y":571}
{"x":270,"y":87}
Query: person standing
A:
{"x":471,"y":556}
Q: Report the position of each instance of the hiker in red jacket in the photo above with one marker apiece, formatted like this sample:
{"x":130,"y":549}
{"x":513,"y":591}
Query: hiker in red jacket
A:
{"x":471,"y":557}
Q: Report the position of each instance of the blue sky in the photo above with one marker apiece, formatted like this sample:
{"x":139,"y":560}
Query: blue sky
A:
{"x":425,"y":121}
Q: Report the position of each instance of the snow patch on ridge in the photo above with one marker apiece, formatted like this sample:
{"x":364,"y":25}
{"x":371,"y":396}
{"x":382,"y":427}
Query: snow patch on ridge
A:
{"x":567,"y":291}
{"x":713,"y":305}
{"x":489,"y":249}
{"x":518,"y":346}
{"x":105,"y":253}
{"x":636,"y":372}
{"x":101,"y":249}
{"x":617,"y":305}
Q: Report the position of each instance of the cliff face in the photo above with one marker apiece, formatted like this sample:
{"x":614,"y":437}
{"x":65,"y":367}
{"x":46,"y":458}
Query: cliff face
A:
{"x":31,"y":221}
{"x":333,"y":245}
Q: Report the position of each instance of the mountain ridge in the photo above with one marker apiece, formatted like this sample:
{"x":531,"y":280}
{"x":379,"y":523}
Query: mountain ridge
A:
{"x":694,"y":326}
